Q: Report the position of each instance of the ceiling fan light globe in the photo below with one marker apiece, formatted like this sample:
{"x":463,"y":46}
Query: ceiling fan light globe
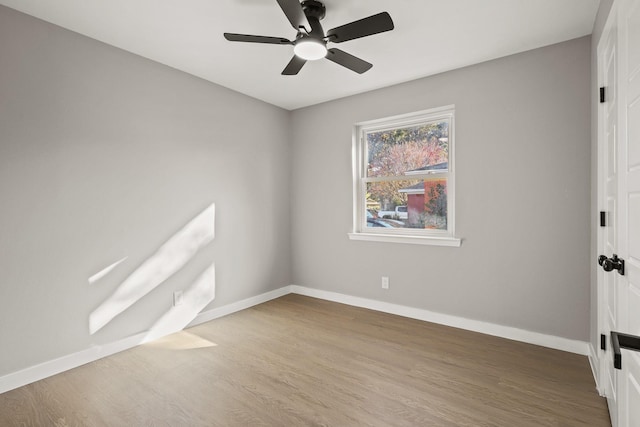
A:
{"x":310,"y":50}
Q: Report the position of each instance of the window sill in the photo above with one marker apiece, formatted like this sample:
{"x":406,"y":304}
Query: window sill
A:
{"x":415,"y":240}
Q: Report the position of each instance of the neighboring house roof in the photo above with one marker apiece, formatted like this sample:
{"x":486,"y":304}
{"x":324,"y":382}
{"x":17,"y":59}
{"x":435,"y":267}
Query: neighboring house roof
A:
{"x":419,"y":187}
{"x":436,"y":167}
{"x":414,"y":189}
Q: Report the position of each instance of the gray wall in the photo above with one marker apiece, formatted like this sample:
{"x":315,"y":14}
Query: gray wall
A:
{"x":105,"y":155}
{"x":522,"y":195}
{"x":598,"y":27}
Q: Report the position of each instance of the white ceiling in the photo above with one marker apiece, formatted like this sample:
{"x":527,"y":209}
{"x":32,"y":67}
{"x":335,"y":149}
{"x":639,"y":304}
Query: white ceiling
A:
{"x":430,"y":36}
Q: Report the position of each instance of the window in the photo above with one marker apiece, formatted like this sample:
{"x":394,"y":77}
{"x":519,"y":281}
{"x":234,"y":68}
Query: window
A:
{"x":404,"y":179}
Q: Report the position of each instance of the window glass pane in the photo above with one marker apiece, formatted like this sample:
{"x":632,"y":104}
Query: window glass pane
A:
{"x":417,"y":204}
{"x":403,"y":151}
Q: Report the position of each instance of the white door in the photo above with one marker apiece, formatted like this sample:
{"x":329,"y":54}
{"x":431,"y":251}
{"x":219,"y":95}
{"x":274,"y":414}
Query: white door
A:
{"x":608,"y":186}
{"x":629,"y":206}
{"x":619,"y":196}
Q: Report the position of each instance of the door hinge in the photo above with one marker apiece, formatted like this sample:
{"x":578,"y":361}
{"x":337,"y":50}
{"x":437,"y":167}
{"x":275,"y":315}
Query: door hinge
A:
{"x":603,"y":342}
{"x":603,"y":219}
{"x":602,"y":95}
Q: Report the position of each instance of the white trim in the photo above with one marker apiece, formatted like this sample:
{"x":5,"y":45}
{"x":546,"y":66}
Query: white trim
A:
{"x":594,"y":363}
{"x":399,"y":238}
{"x":70,"y":361}
{"x":407,"y":119}
{"x":536,"y":338}
{"x":360,"y":179}
{"x":238,"y":306}
{"x":600,"y":359}
{"x":65,"y":363}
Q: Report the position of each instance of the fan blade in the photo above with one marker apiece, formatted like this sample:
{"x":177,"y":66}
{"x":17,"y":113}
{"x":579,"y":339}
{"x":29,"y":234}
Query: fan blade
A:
{"x":293,"y":10}
{"x":347,"y":60}
{"x":294,"y":66}
{"x":255,"y":39}
{"x":364,"y":27}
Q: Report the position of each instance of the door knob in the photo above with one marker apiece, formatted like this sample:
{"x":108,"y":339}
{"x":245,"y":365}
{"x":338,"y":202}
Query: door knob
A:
{"x":613,"y":263}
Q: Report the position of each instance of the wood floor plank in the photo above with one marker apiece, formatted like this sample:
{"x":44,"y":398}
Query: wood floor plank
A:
{"x":300,"y":361}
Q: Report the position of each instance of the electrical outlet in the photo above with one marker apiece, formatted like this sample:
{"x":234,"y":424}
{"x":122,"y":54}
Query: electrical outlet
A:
{"x":385,"y":282}
{"x":177,"y":298}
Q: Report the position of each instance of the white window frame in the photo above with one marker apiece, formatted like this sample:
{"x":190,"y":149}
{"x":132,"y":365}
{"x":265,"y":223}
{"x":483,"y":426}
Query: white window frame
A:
{"x":360,"y":231}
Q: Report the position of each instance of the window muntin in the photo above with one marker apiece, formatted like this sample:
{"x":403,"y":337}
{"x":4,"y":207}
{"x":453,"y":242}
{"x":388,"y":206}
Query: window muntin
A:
{"x":404,"y":175}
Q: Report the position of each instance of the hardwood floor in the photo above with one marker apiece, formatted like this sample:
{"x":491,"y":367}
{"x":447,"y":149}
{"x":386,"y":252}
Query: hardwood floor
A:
{"x":299,"y":361}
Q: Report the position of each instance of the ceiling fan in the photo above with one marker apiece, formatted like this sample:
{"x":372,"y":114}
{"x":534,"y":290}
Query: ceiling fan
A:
{"x":311,"y":41}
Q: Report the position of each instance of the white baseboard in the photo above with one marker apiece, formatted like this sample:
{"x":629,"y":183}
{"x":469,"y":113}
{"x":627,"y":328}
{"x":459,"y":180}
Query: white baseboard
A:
{"x":240,"y":305}
{"x":558,"y":343}
{"x":65,"y":363}
{"x":53,"y":367}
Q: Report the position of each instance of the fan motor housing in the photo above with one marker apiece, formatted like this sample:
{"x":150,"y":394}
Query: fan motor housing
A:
{"x":313,"y":9}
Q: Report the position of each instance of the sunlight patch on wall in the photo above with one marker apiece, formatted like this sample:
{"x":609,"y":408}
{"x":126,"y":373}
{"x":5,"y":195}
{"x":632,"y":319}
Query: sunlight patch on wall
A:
{"x":100,"y":274}
{"x":168,"y":259}
{"x":195,"y":298}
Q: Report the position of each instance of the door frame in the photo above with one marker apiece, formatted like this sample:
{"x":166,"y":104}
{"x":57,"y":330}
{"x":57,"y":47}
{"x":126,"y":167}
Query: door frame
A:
{"x":602,"y":355}
{"x":617,"y":26}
